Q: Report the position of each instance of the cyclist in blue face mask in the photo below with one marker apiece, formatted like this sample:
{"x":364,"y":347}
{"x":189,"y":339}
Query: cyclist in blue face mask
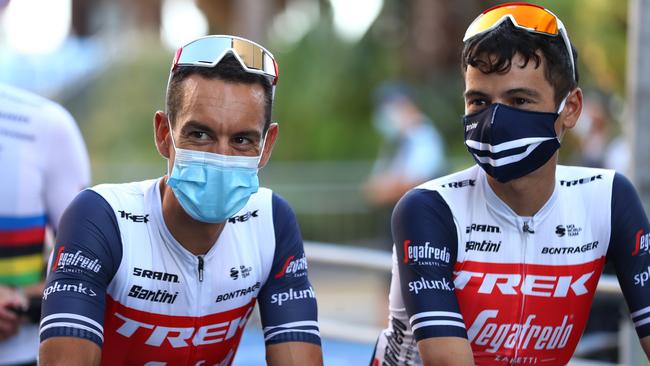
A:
{"x":168,"y":271}
{"x":498,"y":264}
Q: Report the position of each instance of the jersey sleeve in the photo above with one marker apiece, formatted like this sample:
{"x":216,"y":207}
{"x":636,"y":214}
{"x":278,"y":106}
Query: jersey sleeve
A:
{"x":287,"y":300}
{"x":67,"y":168}
{"x":425,"y":240}
{"x":86,"y":256}
{"x":629,"y":249}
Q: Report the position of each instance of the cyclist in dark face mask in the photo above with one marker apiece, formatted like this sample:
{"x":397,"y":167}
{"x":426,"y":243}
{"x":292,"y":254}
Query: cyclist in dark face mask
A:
{"x":498,"y":264}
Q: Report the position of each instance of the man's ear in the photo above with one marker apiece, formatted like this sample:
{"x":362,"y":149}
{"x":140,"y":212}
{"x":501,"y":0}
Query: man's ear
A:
{"x":161,"y":134}
{"x":572,"y":109}
{"x":271,"y":135}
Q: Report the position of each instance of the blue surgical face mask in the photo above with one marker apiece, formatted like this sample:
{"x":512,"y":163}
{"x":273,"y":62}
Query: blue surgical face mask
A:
{"x":509,"y":143}
{"x":211,"y":187}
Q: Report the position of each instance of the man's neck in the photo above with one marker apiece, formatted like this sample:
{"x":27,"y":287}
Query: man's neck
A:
{"x":197,"y":237}
{"x":528,"y":194}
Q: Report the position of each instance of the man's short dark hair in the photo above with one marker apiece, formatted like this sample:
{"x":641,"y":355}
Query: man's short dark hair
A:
{"x":494,"y":50}
{"x":228,"y":69}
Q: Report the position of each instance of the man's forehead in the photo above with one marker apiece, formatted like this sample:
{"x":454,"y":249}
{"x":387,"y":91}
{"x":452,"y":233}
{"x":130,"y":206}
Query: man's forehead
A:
{"x":521,"y":76}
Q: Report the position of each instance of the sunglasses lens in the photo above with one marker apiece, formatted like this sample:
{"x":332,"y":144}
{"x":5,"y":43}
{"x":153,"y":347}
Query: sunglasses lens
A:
{"x":251,"y":55}
{"x":204,"y":50}
{"x":527,"y":16}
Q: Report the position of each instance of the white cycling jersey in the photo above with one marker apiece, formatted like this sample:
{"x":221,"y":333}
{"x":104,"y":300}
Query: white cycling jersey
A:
{"x":43,"y":165}
{"x":519,"y":289}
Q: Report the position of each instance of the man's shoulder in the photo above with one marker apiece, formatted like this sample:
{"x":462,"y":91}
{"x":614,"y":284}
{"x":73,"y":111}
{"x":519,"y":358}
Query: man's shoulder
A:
{"x":125,"y":189}
{"x":463,"y":179}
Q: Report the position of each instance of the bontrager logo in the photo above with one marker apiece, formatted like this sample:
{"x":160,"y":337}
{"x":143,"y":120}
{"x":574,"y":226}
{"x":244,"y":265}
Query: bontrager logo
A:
{"x":642,"y":243}
{"x":483,"y":246}
{"x":294,"y":267}
{"x":162,"y":296}
{"x":160,"y":276}
{"x":570,"y":183}
{"x":291,"y":295}
{"x":74,"y":262}
{"x":237,"y":293}
{"x":179,"y":337}
{"x":244,"y":217}
{"x":134,"y":218}
{"x":56,"y":287}
{"x":482,"y":228}
{"x":517,"y":335}
{"x":425,"y":254}
{"x":424,"y":284}
{"x":530,"y":284}
{"x":571,"y":250}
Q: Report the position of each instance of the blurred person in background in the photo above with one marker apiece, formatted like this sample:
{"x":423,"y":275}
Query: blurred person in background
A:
{"x":412,"y":150}
{"x":498,"y":264}
{"x":43,"y":165}
{"x":168,"y":270}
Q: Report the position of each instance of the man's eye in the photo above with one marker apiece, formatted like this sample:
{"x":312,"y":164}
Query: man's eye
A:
{"x":239,"y":140}
{"x":200,"y":135}
{"x":521,"y":101}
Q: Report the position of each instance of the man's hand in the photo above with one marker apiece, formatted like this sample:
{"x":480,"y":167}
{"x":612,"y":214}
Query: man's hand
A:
{"x":294,"y":354}
{"x":9,"y":322}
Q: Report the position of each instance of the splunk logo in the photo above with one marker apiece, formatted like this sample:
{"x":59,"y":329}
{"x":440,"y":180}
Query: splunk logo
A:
{"x":642,"y":243}
{"x":292,"y":295}
{"x":424,"y":284}
{"x":57,"y":287}
{"x":496,"y":336}
{"x":425,"y":254}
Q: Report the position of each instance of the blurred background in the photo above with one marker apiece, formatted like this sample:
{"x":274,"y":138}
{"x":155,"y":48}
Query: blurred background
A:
{"x":348,"y":71}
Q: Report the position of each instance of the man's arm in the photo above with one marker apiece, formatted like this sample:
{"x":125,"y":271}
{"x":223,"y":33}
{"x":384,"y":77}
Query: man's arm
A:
{"x":629,"y":248}
{"x":421,"y":219}
{"x":86,"y":256}
{"x":287,"y":300}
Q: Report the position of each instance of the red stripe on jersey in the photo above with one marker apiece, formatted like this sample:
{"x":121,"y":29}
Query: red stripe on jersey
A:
{"x":525,"y":313}
{"x":135,"y":337}
{"x":16,"y":238}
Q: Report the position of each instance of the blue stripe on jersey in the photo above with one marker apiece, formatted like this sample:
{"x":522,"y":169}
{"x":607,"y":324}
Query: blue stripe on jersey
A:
{"x":25,"y":222}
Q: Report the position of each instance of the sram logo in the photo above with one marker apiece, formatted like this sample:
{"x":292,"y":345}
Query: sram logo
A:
{"x":527,"y":335}
{"x":179,"y":337}
{"x":529,"y":284}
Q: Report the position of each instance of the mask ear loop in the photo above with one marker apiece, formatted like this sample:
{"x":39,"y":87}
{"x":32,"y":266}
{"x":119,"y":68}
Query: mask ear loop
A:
{"x":560,"y":109}
{"x":259,"y":158}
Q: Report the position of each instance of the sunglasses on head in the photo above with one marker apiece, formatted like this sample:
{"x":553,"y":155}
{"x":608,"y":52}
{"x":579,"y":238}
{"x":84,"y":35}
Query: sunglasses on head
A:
{"x":529,"y":17}
{"x":210,"y":50}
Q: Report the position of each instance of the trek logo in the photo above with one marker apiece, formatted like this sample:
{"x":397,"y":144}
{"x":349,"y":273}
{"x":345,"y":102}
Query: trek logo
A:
{"x":571,"y":229}
{"x":160,"y":276}
{"x":237,"y":293}
{"x":291,"y":295}
{"x":642,"y":243}
{"x":482,"y":228}
{"x":56,"y":287}
{"x":424,"y":284}
{"x":134,"y":218}
{"x":74,"y":262}
{"x":484,"y":246}
{"x":162,"y":296}
{"x":242,"y":271}
{"x":571,"y":250}
{"x":530,"y":284}
{"x":179,"y":337}
{"x":495,"y":336}
{"x":460,"y":184}
{"x":425,"y":254}
{"x":243,"y":218}
{"x":642,"y":278}
{"x":293,"y":267}
{"x":570,"y":183}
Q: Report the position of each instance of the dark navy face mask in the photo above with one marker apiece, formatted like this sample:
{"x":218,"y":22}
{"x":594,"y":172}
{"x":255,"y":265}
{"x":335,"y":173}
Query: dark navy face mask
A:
{"x":509,"y":143}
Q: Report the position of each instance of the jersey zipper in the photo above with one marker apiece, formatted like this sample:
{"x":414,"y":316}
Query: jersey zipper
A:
{"x":526,"y":232}
{"x":200,"y":268}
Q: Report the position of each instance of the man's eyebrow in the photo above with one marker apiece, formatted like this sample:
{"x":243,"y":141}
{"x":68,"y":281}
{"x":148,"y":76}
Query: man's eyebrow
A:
{"x":526,"y":91}
{"x":196,"y":125}
{"x":475,"y":94}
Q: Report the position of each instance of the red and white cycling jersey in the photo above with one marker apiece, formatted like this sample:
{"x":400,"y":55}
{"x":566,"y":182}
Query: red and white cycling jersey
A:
{"x":518,"y":288}
{"x":120,"y":279}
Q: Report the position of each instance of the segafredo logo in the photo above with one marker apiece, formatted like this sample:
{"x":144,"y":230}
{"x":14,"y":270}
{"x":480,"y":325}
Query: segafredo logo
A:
{"x":642,"y":243}
{"x":425,"y":254}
